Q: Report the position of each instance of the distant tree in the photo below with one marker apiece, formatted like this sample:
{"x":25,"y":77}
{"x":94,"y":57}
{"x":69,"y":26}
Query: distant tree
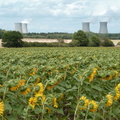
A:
{"x":118,"y":43}
{"x":60,"y":40}
{"x":1,"y":33}
{"x":12,"y":39}
{"x":94,"y":41}
{"x":81,"y":37}
{"x":107,"y":42}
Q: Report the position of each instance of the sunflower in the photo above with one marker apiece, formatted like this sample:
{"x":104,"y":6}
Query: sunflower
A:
{"x":109,"y":77}
{"x":55,"y":103}
{"x":32,"y":102}
{"x":52,"y":86}
{"x":13,"y":88}
{"x":117,"y":95}
{"x":117,"y":90}
{"x":72,"y":72}
{"x":26,"y":91}
{"x":83,"y":103}
{"x":109,"y":100}
{"x":48,"y":109}
{"x":20,"y":83}
{"x":116,"y":74}
{"x":42,"y":96}
{"x":34,"y":71}
{"x":92,"y":106}
{"x":37,"y":81}
{"x":91,"y":77}
{"x":41,"y":89}
{"x":1,"y":108}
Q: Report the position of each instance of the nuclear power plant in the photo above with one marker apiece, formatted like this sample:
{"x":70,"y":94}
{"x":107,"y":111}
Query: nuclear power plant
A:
{"x":21,"y":27}
{"x":18,"y":27}
{"x":103,"y":27}
{"x":24,"y":28}
{"x":86,"y":26}
{"x":102,"y":30}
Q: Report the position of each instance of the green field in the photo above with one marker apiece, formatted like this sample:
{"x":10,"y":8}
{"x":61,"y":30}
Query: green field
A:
{"x":60,"y":83}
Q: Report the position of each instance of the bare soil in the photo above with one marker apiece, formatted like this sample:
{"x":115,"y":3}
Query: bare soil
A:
{"x":115,"y":41}
{"x":45,"y":40}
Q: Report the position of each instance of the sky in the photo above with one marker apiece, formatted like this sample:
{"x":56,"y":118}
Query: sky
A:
{"x":60,"y":15}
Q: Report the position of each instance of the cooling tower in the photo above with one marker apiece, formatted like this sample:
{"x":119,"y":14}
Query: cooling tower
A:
{"x":85,"y":27}
{"x":24,"y":28}
{"x":18,"y":27}
{"x":103,"y":27}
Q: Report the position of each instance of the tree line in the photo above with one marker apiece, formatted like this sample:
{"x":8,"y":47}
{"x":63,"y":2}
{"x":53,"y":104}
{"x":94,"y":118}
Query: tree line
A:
{"x":54,"y":35}
{"x":79,"y":39}
{"x":61,"y":35}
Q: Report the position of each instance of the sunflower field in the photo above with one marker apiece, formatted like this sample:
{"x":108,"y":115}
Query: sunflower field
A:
{"x":60,"y":83}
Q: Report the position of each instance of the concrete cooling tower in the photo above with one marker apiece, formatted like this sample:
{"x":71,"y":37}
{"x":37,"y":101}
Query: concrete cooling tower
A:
{"x":85,"y":26}
{"x":103,"y":28}
{"x":24,"y":28}
{"x":18,"y":27}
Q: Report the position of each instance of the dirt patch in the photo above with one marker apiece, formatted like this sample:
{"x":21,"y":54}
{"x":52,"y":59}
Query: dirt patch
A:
{"x":0,"y":43}
{"x":55,"y":40}
{"x":45,"y":40}
{"x":115,"y":41}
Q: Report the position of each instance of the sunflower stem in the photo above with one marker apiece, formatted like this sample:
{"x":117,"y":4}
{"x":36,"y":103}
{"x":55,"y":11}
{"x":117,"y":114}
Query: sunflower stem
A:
{"x":76,"y":110}
{"x":86,"y":115}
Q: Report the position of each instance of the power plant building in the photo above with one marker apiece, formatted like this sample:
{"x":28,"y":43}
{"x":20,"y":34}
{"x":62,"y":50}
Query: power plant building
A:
{"x":24,"y":28}
{"x":21,"y":27}
{"x":18,"y":27}
{"x":103,"y":28}
{"x":86,"y":26}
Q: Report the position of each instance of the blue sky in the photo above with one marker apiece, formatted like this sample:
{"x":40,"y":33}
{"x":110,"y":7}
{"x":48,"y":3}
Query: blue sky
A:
{"x":60,"y":15}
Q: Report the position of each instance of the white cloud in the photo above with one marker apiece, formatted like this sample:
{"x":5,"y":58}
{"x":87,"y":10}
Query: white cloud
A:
{"x":64,"y":10}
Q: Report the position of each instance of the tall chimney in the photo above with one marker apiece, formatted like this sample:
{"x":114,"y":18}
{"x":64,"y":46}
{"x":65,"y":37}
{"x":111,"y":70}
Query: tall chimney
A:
{"x":24,"y":28}
{"x":18,"y":27}
{"x":103,"y":28}
{"x":85,"y":27}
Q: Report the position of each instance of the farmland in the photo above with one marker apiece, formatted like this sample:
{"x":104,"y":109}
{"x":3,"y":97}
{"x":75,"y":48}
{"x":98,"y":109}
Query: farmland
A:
{"x":60,"y":83}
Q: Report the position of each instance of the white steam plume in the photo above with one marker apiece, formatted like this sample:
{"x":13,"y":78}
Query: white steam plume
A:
{"x":26,"y":20}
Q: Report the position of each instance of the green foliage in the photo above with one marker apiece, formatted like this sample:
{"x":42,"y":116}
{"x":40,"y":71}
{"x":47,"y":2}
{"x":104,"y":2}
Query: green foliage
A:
{"x":60,"y":40}
{"x":94,"y":41}
{"x":1,"y":33}
{"x":12,"y":39}
{"x":107,"y":42}
{"x":81,"y":37}
{"x":118,"y":43}
{"x":74,"y":43}
{"x":66,"y":74}
{"x":38,"y":44}
{"x":54,"y":35}
{"x":113,"y":36}
{"x":62,"y":35}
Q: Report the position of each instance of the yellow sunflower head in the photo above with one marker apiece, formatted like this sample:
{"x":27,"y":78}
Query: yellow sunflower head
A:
{"x":32,"y":102}
{"x":1,"y":108}
{"x":92,"y":105}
